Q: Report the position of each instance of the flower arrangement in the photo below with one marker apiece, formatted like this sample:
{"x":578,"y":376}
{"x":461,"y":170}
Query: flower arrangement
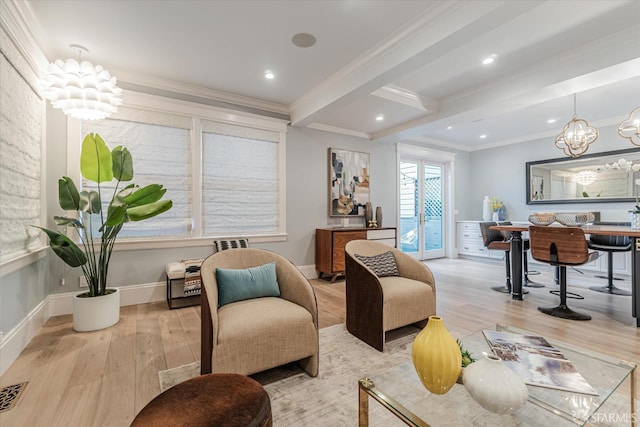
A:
{"x":637,"y":207}
{"x":496,"y":204}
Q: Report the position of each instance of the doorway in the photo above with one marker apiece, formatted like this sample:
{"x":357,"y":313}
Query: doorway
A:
{"x":422,"y":223}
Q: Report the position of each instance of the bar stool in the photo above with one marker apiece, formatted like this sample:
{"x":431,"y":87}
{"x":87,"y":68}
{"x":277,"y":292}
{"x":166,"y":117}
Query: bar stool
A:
{"x":561,"y":247}
{"x":525,"y":262}
{"x":495,"y":240}
{"x":610,"y":244}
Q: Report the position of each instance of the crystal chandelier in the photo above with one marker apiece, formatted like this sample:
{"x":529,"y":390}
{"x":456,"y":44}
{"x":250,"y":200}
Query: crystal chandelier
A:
{"x":576,"y":136}
{"x":585,"y":177}
{"x":80,"y":89}
{"x":630,"y":128}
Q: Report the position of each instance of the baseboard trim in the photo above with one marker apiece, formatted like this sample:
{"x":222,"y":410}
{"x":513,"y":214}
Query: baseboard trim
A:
{"x":12,"y":344}
{"x":19,"y":337}
{"x":309,"y":271}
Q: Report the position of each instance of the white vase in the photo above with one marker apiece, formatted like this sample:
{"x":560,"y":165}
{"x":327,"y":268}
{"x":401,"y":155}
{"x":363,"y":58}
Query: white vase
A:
{"x":635,"y":220}
{"x":494,"y":386}
{"x":94,"y":313}
{"x":486,"y":209}
{"x":495,"y":217}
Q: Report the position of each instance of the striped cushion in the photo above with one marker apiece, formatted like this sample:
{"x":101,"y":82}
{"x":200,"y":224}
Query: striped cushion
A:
{"x":192,"y":279}
{"x":383,"y":265}
{"x":222,"y":245}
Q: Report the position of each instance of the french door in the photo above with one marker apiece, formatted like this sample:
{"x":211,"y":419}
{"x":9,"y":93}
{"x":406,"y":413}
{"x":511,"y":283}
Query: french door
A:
{"x":421,"y":208}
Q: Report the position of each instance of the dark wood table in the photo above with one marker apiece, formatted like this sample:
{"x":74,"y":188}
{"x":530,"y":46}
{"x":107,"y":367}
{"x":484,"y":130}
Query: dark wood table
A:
{"x":605,"y":230}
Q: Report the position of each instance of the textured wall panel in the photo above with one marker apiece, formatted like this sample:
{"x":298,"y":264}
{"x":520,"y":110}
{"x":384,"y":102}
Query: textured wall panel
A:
{"x":20,"y":157}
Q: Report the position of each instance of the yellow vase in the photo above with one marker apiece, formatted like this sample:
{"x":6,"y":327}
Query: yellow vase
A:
{"x":436,"y":357}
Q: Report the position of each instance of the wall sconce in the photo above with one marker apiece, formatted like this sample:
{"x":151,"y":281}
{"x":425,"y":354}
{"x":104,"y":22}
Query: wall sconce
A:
{"x":80,"y":89}
{"x":630,"y":128}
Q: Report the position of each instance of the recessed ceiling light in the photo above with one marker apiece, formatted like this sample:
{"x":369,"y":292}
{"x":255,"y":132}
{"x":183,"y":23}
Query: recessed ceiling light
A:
{"x":483,"y":136}
{"x":379,"y":117}
{"x":550,"y":121}
{"x":449,"y":127}
{"x":489,"y":59}
{"x":269,"y":75}
{"x":303,"y":40}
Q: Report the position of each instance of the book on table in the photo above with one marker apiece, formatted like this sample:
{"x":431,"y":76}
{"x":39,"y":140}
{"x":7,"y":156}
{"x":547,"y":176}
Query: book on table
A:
{"x":536,"y":361}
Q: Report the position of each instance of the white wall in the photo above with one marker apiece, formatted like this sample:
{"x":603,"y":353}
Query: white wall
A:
{"x":307,"y":206}
{"x":500,"y":172}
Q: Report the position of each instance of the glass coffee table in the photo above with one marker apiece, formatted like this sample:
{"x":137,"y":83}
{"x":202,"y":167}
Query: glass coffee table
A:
{"x":399,"y":391}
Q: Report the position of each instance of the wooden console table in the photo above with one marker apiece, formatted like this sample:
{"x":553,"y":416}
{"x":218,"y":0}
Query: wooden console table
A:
{"x":330,"y":243}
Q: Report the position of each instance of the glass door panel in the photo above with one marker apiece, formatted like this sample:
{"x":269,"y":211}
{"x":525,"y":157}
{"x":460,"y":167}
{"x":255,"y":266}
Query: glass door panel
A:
{"x":409,"y":213}
{"x":433,"y":246}
{"x":421,"y":209}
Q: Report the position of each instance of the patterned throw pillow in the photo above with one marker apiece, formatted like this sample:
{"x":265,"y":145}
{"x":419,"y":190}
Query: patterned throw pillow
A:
{"x":383,"y":265}
{"x":222,"y":245}
{"x":192,"y":278}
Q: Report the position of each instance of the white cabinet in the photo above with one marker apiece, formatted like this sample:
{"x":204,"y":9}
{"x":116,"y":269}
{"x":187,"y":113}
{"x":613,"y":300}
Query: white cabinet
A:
{"x":470,"y":243}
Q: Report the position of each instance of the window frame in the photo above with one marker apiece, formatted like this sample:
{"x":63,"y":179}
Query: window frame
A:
{"x":197,"y":113}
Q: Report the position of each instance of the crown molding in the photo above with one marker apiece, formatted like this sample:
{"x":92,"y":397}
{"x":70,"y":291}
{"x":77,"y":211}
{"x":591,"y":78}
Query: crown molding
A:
{"x":339,"y":130}
{"x":406,"y":97}
{"x":399,"y":46}
{"x":152,"y":84}
{"x":441,"y":143}
{"x":20,"y":25}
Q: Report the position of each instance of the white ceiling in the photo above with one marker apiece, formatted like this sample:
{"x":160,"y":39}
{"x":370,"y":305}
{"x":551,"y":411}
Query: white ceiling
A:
{"x":416,"y":62}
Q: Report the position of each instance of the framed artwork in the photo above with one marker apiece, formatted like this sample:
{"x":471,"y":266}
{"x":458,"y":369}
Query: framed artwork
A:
{"x":348,"y":182}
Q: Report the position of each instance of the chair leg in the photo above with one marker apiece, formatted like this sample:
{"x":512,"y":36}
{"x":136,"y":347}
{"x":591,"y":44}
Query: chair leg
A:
{"x":506,"y":289}
{"x":562,"y":310}
{"x":528,"y":283}
{"x":610,"y":288}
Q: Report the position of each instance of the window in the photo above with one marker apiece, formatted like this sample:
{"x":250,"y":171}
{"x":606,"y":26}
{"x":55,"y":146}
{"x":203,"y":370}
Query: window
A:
{"x":161,"y":149}
{"x":223,"y":170}
{"x":21,"y":118}
{"x":240,"y":180}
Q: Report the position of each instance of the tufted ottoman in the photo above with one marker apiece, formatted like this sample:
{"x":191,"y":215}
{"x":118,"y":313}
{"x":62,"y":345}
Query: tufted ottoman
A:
{"x":229,"y":400}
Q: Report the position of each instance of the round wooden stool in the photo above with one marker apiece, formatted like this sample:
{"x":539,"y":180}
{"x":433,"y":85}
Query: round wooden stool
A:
{"x":229,"y":400}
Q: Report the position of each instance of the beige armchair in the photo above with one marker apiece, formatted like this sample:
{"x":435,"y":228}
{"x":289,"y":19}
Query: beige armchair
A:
{"x":375,"y":304}
{"x":256,"y":334}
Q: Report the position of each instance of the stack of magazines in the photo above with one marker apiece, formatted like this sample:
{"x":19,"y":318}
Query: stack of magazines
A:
{"x":537,"y":362}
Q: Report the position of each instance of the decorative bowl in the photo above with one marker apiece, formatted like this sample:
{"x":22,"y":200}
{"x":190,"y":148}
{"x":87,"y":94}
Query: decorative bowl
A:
{"x":575,"y":219}
{"x":542,"y":218}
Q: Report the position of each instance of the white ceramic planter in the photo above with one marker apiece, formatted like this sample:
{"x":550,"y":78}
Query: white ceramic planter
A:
{"x":92,"y":314}
{"x":494,"y":386}
{"x":635,"y":221}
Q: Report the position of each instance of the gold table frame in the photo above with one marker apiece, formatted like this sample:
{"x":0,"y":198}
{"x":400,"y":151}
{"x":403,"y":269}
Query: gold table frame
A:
{"x":367,"y":388}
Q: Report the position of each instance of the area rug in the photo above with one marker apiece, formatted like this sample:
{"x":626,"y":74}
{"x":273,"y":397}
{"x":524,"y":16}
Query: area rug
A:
{"x":330,"y":399}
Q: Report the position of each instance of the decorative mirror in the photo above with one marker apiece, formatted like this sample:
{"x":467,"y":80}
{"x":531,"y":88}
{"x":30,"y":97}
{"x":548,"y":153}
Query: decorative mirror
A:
{"x":592,"y":178}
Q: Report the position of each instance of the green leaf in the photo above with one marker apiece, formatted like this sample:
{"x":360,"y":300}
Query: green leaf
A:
{"x":95,"y":159}
{"x":90,"y":202}
{"x":117,"y":215}
{"x":66,"y":221}
{"x":149,"y":210}
{"x":149,"y":194}
{"x":122,"y":164}
{"x":62,"y":246}
{"x":68,"y":194}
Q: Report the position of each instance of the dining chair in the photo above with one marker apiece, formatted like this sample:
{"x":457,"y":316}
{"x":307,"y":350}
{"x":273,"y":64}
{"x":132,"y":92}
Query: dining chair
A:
{"x":561,"y":247}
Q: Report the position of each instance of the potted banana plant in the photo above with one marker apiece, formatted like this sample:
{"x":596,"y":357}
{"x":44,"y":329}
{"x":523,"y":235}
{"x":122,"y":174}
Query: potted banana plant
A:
{"x":97,"y":230}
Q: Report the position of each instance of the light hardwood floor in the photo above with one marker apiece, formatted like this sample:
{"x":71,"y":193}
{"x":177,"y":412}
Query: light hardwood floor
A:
{"x":104,"y":378}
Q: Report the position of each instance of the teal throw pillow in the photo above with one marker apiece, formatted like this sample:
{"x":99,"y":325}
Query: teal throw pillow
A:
{"x":242,"y":284}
